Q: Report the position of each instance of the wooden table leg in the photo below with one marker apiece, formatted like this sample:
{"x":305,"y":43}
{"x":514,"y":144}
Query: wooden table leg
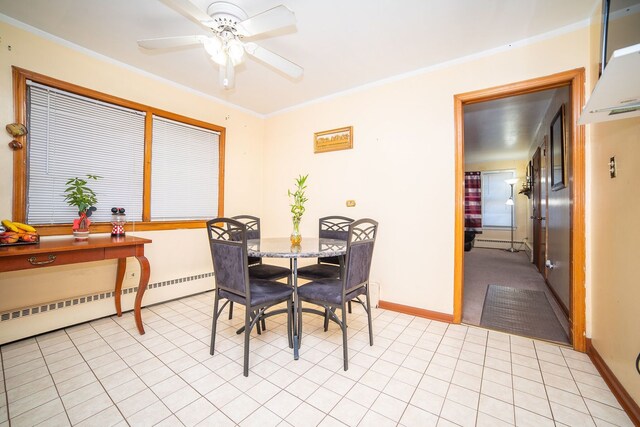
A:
{"x":142,"y":286}
{"x":122,"y":267}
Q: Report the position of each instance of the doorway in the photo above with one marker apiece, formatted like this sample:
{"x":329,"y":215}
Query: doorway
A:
{"x":575,"y":183}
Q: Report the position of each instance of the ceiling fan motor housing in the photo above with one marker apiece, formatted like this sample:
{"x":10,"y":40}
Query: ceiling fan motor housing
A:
{"x":226,"y":15}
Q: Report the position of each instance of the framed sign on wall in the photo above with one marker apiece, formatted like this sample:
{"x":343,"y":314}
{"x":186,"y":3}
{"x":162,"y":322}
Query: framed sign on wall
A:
{"x":333,"y":140}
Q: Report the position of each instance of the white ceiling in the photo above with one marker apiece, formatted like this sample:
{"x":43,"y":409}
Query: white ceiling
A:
{"x":504,"y":129}
{"x":342,"y":44}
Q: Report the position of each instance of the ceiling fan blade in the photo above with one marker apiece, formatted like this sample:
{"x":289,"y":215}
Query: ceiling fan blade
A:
{"x":274,"y":60}
{"x":192,"y":11}
{"x":272,"y":19}
{"x":166,"y":42}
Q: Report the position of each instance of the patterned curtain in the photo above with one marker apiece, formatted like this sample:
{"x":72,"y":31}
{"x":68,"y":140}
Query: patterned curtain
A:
{"x":473,"y":201}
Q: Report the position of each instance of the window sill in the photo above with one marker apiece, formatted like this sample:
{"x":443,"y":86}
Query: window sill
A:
{"x":102,"y":227}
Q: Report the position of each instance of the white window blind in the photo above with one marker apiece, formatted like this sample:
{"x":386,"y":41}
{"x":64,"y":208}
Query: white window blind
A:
{"x":495,"y":193}
{"x":184,"y":171}
{"x":72,"y":136}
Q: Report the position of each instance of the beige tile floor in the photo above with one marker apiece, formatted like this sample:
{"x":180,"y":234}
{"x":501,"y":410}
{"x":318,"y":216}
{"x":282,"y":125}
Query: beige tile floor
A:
{"x":418,"y":373}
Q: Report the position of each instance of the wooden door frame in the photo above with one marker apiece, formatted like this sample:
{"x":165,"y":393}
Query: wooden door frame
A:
{"x":575,"y":78}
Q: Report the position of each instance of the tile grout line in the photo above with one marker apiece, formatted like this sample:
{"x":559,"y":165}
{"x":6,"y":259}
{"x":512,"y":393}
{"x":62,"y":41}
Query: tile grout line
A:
{"x":513,"y":386}
{"x":484,"y":359}
{"x":54,"y":384}
{"x":435,"y":351}
{"x":66,"y":410}
{"x":407,"y":355}
{"x":177,"y":374}
{"x":326,"y":414}
{"x":282,"y":367}
{"x":94,"y":375}
{"x":579,"y":391}
{"x":544,"y":384}
{"x":4,"y":387}
{"x":156,"y":356}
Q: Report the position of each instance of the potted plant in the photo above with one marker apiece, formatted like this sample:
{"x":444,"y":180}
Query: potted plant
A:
{"x":297,"y":207}
{"x":78,"y":194}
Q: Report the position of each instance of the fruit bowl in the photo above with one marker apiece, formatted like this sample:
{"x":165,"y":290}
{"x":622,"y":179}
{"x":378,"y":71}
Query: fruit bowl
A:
{"x":11,"y":238}
{"x":14,"y":233}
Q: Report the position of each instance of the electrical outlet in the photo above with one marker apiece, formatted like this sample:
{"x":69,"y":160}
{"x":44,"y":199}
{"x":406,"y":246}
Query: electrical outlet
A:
{"x":351,"y":203}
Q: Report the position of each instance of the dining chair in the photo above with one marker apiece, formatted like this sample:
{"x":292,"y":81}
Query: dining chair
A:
{"x":334,"y":293}
{"x":329,"y":227}
{"x":228,"y":243}
{"x":257,"y":269}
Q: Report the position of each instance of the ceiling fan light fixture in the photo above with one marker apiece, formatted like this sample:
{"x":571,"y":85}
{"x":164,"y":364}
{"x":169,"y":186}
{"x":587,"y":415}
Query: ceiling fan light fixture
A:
{"x":235,"y":50}
{"x":214,"y":48}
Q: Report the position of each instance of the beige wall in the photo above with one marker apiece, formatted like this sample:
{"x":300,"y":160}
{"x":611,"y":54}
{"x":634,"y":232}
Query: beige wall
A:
{"x":612,"y":235}
{"x":173,"y":254}
{"x":615,"y":237}
{"x":401,"y":169}
{"x":521,"y":202}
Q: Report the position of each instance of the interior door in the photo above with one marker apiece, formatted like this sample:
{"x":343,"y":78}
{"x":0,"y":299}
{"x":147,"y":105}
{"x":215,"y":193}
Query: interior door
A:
{"x":539,"y":209}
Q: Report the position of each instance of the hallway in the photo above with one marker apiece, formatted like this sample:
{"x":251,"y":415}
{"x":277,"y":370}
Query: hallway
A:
{"x":484,"y":267}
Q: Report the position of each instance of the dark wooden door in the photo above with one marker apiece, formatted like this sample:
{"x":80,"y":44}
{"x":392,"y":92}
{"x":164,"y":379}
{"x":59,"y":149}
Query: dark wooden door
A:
{"x":539,"y":211}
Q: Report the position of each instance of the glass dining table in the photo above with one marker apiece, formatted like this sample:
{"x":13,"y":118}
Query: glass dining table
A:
{"x":281,"y":247}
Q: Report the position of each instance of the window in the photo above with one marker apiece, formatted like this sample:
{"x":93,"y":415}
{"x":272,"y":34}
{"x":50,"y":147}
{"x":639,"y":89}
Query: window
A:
{"x":192,"y":192}
{"x":72,"y":136}
{"x":495,"y":193}
{"x":166,"y":170}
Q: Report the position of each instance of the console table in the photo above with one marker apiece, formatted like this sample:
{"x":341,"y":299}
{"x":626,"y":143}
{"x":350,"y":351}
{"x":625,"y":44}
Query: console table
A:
{"x":52,"y":252}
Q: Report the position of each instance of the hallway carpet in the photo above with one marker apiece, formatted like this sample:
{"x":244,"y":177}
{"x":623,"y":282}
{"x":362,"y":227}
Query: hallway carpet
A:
{"x":483,"y":267}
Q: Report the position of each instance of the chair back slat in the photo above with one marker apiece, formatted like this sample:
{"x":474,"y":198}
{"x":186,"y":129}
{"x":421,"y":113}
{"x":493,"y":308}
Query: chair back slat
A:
{"x":228,"y":243}
{"x":360,"y":244}
{"x":333,"y":227}
{"x":252,"y":224}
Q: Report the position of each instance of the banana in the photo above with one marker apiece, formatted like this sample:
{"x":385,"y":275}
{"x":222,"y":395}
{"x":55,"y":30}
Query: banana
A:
{"x":9,"y":225}
{"x":24,"y":227}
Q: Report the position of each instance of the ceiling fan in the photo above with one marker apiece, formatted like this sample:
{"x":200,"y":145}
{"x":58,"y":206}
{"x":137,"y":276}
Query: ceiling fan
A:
{"x":229,"y":24}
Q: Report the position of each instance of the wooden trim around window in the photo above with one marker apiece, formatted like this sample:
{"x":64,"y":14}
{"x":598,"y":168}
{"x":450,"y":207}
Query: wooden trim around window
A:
{"x":146,"y":189}
{"x":20,"y":77}
{"x":19,"y":156}
{"x":574,"y":79}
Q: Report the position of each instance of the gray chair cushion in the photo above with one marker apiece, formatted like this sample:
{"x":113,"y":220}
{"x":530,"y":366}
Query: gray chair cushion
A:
{"x":327,"y":290}
{"x":319,"y":271}
{"x":263,"y":292}
{"x":268,"y":272}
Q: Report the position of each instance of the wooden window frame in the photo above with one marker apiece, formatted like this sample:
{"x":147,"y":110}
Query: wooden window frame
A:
{"x":20,"y":77}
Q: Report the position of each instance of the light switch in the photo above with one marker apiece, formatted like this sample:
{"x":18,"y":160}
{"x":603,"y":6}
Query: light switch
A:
{"x":612,"y":167}
{"x":351,"y":203}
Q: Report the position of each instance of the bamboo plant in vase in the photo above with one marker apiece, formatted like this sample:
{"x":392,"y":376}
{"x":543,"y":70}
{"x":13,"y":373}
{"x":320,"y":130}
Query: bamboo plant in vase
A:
{"x":297,"y":208}
{"x":78,"y":194}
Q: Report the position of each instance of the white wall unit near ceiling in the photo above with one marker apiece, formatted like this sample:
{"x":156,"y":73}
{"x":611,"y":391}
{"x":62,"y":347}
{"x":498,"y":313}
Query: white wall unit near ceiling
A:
{"x":617,"y":93}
